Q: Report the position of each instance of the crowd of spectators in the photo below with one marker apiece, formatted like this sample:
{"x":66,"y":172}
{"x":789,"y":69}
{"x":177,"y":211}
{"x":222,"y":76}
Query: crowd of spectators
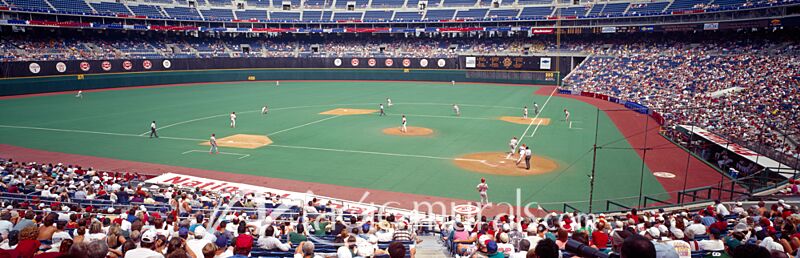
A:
{"x":745,"y":91}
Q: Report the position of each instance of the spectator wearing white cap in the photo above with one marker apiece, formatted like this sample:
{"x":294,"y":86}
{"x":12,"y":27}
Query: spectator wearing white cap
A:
{"x":148,"y":245}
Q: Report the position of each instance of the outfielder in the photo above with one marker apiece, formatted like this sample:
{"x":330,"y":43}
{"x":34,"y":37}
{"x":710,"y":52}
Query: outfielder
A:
{"x":483,"y":189}
{"x":233,"y":119}
{"x":525,"y":112}
{"x":382,"y":112}
{"x":388,"y":102}
{"x":277,"y":83}
{"x":153,"y":130}
{"x":456,"y":110}
{"x":264,"y":110}
{"x":453,"y":83}
{"x":213,"y":142}
{"x":79,"y":95}
{"x":566,"y":115}
{"x":403,"y":127}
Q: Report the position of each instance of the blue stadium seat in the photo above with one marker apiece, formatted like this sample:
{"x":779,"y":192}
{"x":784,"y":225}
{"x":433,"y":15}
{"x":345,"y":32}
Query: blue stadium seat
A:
{"x":535,"y":12}
{"x":251,"y":14}
{"x":472,"y":14}
{"x":454,"y":3}
{"x":615,"y":8}
{"x":441,"y":14}
{"x":340,"y":16}
{"x":30,"y":4}
{"x":645,"y":8}
{"x":387,"y":3}
{"x":503,"y":13}
{"x":110,"y":7}
{"x":571,"y":11}
{"x":284,"y":16}
{"x":258,"y":3}
{"x":182,"y":12}
{"x":76,"y":6}
{"x":217,"y":14}
{"x":407,"y":16}
{"x":146,"y":10}
{"x":681,"y":5}
{"x":378,"y":15}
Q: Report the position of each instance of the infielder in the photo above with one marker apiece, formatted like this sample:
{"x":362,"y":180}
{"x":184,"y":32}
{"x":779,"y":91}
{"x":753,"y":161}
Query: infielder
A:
{"x":535,"y":108}
{"x":264,"y":110}
{"x":213,"y":142}
{"x":456,"y":110}
{"x":79,"y":95}
{"x":382,"y":111}
{"x":483,"y":189}
{"x":233,"y":119}
{"x":388,"y":102}
{"x":525,"y":112}
{"x":566,"y":115}
{"x":153,"y":130}
{"x":403,"y":127}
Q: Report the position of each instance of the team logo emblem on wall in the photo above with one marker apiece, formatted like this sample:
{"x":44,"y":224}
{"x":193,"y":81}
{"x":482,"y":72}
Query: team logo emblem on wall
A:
{"x":423,"y":62}
{"x":337,"y":62}
{"x":106,"y":65}
{"x":85,"y":66}
{"x":371,"y":62}
{"x":354,"y":62}
{"x":61,"y":67}
{"x":167,"y":64}
{"x":507,"y":62}
{"x":127,"y":65}
{"x":406,"y":62}
{"x":35,"y":68}
{"x":147,"y":64}
{"x":389,"y":62}
{"x":441,"y":63}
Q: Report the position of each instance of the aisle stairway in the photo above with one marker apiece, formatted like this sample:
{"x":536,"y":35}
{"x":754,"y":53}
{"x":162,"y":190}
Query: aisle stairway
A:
{"x":431,"y":247}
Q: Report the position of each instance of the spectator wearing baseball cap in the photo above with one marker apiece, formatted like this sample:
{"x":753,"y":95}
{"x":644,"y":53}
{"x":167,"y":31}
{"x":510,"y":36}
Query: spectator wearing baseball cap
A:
{"x":148,"y":245}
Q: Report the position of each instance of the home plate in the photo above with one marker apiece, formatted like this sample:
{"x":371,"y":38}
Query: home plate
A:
{"x":502,"y":162}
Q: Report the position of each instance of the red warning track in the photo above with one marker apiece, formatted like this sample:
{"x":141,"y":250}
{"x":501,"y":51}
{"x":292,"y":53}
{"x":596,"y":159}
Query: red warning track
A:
{"x":659,"y":158}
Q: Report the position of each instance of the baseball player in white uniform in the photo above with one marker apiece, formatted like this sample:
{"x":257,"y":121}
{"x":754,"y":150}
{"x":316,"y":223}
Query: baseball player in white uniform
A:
{"x":264,"y":109}
{"x":153,"y":130}
{"x":213,"y":142}
{"x":525,"y":112}
{"x":483,"y":190}
{"x":403,"y":127}
{"x":383,"y":113}
{"x":566,"y":115}
{"x":79,"y":95}
{"x":453,"y":83}
{"x":513,"y":144}
{"x":535,"y":108}
{"x":388,"y":102}
{"x":457,"y":110}
{"x":277,"y":83}
{"x":233,"y":119}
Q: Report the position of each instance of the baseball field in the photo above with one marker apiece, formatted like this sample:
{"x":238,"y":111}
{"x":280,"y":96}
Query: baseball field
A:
{"x":329,"y":132}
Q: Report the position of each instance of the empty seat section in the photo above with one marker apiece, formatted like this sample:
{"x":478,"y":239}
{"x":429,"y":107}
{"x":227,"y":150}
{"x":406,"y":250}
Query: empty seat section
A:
{"x":446,"y":14}
{"x":378,"y":15}
{"x":217,"y":14}
{"x":571,"y":11}
{"x":510,"y":13}
{"x":535,"y":12}
{"x":284,"y":16}
{"x":251,"y":14}
{"x":145,"y":10}
{"x":472,"y":14}
{"x":340,"y":16}
{"x":647,"y":8}
{"x":112,"y":8}
{"x":407,"y":16}
{"x":71,"y":6}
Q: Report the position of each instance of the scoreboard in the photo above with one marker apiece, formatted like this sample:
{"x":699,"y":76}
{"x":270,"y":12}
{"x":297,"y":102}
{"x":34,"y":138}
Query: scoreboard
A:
{"x":522,"y":63}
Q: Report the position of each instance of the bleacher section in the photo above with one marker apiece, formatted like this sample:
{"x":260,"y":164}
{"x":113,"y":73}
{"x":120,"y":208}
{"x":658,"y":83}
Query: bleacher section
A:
{"x":412,"y":3}
{"x":78,"y":6}
{"x":455,"y":3}
{"x":284,"y":15}
{"x":312,"y":15}
{"x":407,"y":16}
{"x":378,"y":15}
{"x":529,"y":2}
{"x":219,"y":2}
{"x":503,"y":13}
{"x":571,"y":11}
{"x":387,"y":3}
{"x":358,"y":3}
{"x":647,"y":8}
{"x":536,"y":12}
{"x":615,"y":8}
{"x":730,"y":3}
{"x":217,"y":14}
{"x":318,"y":3}
{"x":258,"y":3}
{"x":341,"y":16}
{"x":183,"y":12}
{"x":279,"y":3}
{"x":680,"y":5}
{"x":472,"y":14}
{"x":445,"y":14}
{"x":251,"y":14}
{"x":112,"y":8}
{"x":146,"y":10}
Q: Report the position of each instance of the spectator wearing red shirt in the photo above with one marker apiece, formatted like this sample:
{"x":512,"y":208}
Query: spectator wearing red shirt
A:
{"x":28,"y":245}
{"x":599,"y":236}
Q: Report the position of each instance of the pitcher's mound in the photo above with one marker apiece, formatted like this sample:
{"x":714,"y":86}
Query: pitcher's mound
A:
{"x":412,"y":131}
{"x":496,"y":163}
{"x":244,"y":141}
{"x":525,"y":121}
{"x":348,"y":111}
